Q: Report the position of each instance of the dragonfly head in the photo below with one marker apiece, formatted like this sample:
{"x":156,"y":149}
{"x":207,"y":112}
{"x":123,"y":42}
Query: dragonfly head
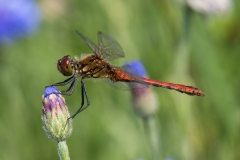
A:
{"x":65,"y":65}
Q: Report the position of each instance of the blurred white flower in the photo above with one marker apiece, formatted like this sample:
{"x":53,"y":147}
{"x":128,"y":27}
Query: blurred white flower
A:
{"x":211,"y":6}
{"x":53,"y":9}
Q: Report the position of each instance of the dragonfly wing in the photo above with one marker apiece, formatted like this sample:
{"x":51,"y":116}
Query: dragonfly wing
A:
{"x":91,"y":45}
{"x":108,"y":47}
{"x":135,"y":85}
{"x":126,"y":86}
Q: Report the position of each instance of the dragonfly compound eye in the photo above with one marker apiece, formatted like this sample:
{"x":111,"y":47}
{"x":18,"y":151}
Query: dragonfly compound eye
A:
{"x":64,"y":66}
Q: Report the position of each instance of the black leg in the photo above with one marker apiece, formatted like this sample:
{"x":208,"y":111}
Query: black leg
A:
{"x":84,"y":93}
{"x":70,"y":89}
{"x":67,"y":81}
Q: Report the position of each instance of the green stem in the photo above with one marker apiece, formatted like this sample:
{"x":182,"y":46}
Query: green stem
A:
{"x":151,"y":129}
{"x":63,"y":150}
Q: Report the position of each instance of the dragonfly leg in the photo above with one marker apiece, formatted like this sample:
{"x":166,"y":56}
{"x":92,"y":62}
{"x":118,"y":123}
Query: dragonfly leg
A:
{"x":70,"y":89}
{"x":84,"y":93}
{"x":67,"y":81}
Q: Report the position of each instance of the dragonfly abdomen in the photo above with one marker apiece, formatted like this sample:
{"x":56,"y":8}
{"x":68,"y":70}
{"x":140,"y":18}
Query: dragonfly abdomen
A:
{"x":192,"y":91}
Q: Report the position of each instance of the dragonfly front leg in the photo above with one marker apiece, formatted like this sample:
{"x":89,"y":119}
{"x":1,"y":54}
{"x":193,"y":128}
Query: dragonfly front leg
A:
{"x":70,"y":89}
{"x":66,"y":82}
{"x":84,"y":93}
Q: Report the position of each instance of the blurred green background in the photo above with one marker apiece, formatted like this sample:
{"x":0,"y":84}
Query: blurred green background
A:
{"x":152,"y":31}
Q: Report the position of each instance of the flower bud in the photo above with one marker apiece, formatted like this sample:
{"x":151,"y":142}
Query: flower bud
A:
{"x":145,"y":102}
{"x":55,"y":115}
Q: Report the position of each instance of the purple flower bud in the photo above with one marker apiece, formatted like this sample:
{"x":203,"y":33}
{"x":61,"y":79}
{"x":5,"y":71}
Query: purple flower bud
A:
{"x":18,"y":18}
{"x":55,"y":114}
{"x":145,"y":102}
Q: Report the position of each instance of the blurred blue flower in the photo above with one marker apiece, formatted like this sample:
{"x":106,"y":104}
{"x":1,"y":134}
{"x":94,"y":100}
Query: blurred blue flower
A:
{"x":145,"y":102}
{"x":136,"y":68}
{"x":18,"y":18}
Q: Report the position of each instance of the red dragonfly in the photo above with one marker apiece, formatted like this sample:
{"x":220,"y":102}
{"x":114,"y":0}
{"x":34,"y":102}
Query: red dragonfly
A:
{"x":96,"y":65}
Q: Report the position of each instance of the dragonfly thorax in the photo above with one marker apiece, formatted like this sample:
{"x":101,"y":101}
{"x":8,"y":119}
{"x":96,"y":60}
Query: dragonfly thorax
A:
{"x":92,"y":66}
{"x":65,"y":65}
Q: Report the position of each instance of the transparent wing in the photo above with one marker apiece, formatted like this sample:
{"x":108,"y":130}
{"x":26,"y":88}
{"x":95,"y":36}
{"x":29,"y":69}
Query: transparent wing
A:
{"x":108,"y":47}
{"x":91,"y":45}
{"x":125,"y":86}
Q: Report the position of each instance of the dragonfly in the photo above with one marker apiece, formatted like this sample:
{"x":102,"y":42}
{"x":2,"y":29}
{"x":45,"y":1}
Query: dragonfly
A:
{"x":96,"y":65}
